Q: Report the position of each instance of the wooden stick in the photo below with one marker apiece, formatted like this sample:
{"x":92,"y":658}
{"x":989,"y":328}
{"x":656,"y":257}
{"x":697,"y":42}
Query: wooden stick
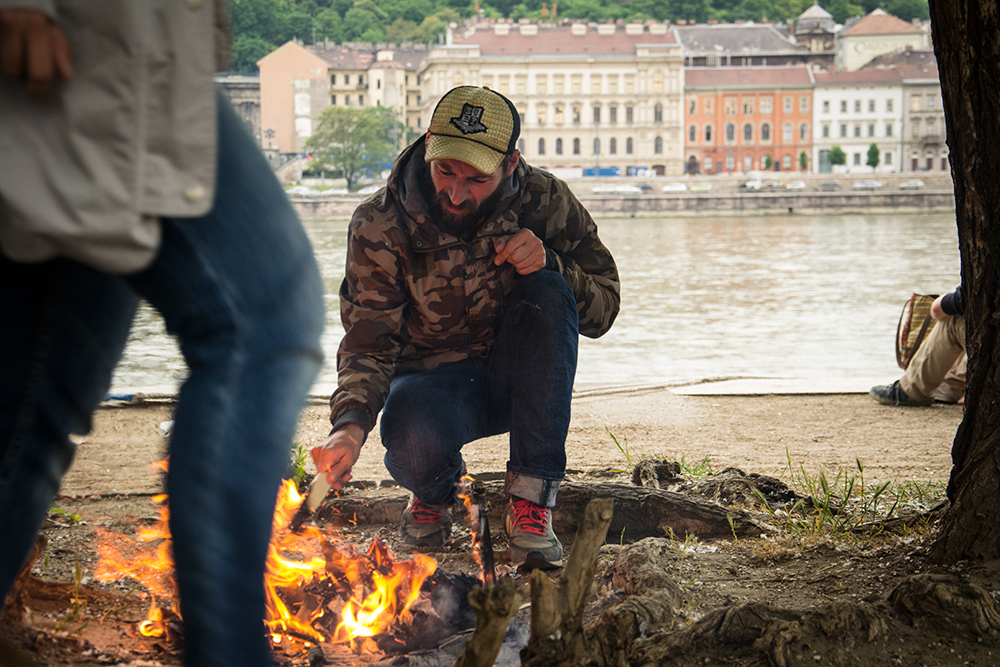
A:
{"x":494,"y":607}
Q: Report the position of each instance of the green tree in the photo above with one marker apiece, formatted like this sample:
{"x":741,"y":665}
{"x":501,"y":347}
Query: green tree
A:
{"x":873,"y":154}
{"x":329,"y":25}
{"x":353,"y":142}
{"x":247,"y":50}
{"x":843,"y":10}
{"x":909,"y":9}
{"x":360,"y":25}
{"x":837,"y":155}
{"x":803,"y":160}
{"x":768,"y":162}
{"x":400,"y":31}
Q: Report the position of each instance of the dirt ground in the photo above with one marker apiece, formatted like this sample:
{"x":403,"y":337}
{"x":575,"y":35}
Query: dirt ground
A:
{"x":786,"y":436}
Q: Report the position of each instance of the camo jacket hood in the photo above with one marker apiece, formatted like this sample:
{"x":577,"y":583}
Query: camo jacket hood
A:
{"x":416,"y":296}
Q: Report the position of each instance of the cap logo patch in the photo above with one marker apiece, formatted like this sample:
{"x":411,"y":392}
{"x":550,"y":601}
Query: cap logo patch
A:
{"x":469,"y":122}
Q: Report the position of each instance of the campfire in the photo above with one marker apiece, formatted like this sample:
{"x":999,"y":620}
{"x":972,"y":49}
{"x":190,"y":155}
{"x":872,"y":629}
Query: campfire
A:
{"x":320,"y":588}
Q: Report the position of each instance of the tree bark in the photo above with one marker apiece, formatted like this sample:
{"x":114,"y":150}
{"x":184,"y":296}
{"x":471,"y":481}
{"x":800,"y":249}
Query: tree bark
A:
{"x":967,"y":45}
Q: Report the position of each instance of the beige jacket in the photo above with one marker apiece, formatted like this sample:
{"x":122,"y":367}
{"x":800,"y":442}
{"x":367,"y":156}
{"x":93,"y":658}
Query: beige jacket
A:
{"x":86,"y":170}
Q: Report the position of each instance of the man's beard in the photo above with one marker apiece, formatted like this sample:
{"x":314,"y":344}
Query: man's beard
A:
{"x":464,"y":223}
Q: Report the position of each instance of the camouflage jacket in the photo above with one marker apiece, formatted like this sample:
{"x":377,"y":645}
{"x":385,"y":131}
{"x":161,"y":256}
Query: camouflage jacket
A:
{"x":415,"y":296}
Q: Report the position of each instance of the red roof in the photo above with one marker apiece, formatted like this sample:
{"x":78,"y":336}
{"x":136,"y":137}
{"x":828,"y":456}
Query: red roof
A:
{"x":794,"y":75}
{"x":558,"y":40}
{"x":860,"y":76}
{"x":880,"y":23}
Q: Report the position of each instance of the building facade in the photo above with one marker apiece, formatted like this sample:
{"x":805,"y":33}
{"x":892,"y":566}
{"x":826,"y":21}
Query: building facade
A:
{"x":244,"y":94}
{"x":854,"y":110}
{"x":873,"y":35}
{"x":746,"y":119}
{"x":591,"y":97}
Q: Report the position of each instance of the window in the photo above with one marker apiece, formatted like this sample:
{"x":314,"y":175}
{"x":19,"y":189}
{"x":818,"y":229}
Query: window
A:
{"x":630,"y":83}
{"x":786,"y":133}
{"x":558,"y":146}
{"x":657,"y":81}
{"x":888,"y":106}
{"x":613,"y":84}
{"x":558,"y":114}
{"x":597,"y":146}
{"x":843,"y":106}
{"x":708,"y":134}
{"x":916,"y":129}
{"x":333,"y":79}
{"x":541,"y":146}
{"x":871,"y":106}
{"x":747,"y":106}
{"x":931,"y":102}
{"x":857,"y":159}
{"x":787,"y":102}
{"x":628,"y":145}
{"x":730,"y":132}
{"x":658,"y":145}
{"x":597,"y":115}
{"x":786,"y":162}
{"x":914,"y":102}
{"x":871,"y":129}
{"x":843,"y":129}
{"x":576,"y":146}
{"x":576,"y":115}
{"x":765,"y":132}
{"x":803,"y":131}
{"x":613,"y":146}
{"x":361,"y":100}
{"x":887,"y":159}
{"x":709,"y":105}
{"x":748,"y":133}
{"x":747,"y":163}
{"x":693,"y":134}
{"x":378,"y":84}
{"x":596,"y":84}
{"x":628,"y":114}
{"x":333,"y":100}
{"x":708,"y":164}
{"x":576,"y":84}
{"x":804,"y":104}
{"x":559,"y":83}
{"x":730,"y":162}
{"x":826,"y":106}
{"x":857,"y":106}
{"x":930,"y":126}
{"x":541,"y":84}
{"x":826,"y":131}
{"x":888,"y":129}
{"x":857,"y":130}
{"x":729,"y":106}
{"x":693,"y":106}
{"x":766,"y":104}
{"x":658,"y":113}
{"x":543,"y":113}
{"x":612,"y":115}
{"x":505,"y":84}
{"x":521,"y":84}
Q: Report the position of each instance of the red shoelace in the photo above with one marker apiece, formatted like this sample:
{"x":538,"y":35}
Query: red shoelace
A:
{"x":422,"y":513}
{"x":529,"y":517}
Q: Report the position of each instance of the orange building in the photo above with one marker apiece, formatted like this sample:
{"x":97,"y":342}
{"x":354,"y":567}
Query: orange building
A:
{"x":740,"y":119}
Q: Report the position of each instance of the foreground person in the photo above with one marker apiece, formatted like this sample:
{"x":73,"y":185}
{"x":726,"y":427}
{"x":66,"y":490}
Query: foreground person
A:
{"x":123,"y":175}
{"x":469,"y":279}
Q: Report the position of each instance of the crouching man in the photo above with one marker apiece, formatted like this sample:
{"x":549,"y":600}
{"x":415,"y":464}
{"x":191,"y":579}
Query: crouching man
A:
{"x":469,"y":279}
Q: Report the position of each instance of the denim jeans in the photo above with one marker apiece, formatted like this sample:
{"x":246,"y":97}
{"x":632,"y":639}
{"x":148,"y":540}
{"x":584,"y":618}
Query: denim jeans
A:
{"x":523,"y":386}
{"x":241,"y":290}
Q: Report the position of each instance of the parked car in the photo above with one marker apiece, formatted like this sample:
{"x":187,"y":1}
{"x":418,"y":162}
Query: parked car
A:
{"x":645,"y":187}
{"x":368,"y":190}
{"x":674,"y":187}
{"x":754,"y":183}
{"x":617,"y":190}
{"x":796,"y":185}
{"x":912,"y":184}
{"x":867,"y":185}
{"x":302,"y":191}
{"x":828,"y":186}
{"x":701,"y":186}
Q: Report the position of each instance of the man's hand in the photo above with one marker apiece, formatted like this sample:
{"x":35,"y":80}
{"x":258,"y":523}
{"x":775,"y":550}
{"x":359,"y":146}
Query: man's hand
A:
{"x":337,"y":456}
{"x":523,"y":250}
{"x":34,"y":49}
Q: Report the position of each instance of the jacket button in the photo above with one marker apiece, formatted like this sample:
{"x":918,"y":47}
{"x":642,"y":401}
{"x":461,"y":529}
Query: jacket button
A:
{"x":194,"y":193}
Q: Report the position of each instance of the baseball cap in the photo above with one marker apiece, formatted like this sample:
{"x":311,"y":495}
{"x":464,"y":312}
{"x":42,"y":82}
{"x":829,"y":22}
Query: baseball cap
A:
{"x":476,"y":125}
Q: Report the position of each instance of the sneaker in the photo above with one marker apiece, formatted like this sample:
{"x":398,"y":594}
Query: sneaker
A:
{"x":892,"y":394}
{"x":532,"y":544}
{"x":941,"y":396}
{"x":425,"y":525}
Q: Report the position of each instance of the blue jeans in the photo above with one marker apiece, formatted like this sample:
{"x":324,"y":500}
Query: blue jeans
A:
{"x":241,"y":290}
{"x":523,"y":386}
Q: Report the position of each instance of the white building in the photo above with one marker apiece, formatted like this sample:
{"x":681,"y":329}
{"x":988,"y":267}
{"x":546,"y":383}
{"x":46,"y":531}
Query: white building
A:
{"x":873,"y":35}
{"x":854,"y":110}
{"x":590,"y":96}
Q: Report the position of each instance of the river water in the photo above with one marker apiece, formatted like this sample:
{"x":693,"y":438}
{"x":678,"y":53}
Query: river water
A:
{"x":773,"y":296}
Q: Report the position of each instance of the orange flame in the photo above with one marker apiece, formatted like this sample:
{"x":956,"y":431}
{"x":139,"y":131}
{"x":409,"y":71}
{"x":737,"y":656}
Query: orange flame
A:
{"x":308,"y":574}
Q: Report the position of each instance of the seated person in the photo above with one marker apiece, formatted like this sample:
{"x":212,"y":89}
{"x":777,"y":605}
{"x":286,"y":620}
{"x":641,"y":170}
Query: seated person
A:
{"x":937,"y":370}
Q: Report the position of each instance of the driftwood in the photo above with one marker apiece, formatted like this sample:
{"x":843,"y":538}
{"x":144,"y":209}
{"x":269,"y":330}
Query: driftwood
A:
{"x":639,"y":512}
{"x":557,"y":608}
{"x":494,"y":607}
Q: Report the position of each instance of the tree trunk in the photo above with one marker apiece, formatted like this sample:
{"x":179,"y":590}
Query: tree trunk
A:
{"x":967,"y":45}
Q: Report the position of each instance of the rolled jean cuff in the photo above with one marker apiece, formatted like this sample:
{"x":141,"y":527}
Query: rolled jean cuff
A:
{"x":539,"y":490}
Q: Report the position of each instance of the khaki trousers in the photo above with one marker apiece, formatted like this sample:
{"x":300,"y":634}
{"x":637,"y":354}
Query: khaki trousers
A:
{"x":939,"y":362}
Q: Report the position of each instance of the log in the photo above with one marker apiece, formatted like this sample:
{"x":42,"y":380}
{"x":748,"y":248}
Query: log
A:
{"x":557,"y":608}
{"x":944,"y":601}
{"x":494,"y":607}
